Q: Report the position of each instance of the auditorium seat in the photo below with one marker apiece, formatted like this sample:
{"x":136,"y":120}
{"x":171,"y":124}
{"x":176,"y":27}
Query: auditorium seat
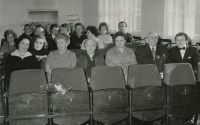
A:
{"x":134,"y":46}
{"x":107,"y":47}
{"x":147,"y":97}
{"x":77,"y":51}
{"x":183,"y":92}
{"x":27,"y":102}
{"x":109,"y":94}
{"x":2,"y":107}
{"x":73,"y":107}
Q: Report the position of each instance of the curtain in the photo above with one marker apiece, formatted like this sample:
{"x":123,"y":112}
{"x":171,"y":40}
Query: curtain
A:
{"x":115,"y":11}
{"x":182,"y":16}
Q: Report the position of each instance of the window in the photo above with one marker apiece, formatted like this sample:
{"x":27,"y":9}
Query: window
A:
{"x":115,"y":11}
{"x":182,"y":16}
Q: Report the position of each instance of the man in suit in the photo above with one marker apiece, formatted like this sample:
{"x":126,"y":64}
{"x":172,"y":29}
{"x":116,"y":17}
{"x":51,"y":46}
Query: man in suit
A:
{"x":122,"y":26}
{"x":146,"y":54}
{"x":183,"y":53}
{"x":51,"y":37}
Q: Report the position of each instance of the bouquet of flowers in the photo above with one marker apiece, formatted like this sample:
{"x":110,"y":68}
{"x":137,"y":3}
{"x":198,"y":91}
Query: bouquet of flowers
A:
{"x":55,"y":88}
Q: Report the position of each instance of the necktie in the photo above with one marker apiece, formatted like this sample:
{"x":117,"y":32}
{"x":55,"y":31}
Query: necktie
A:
{"x":182,"y":48}
{"x":153,"y":52}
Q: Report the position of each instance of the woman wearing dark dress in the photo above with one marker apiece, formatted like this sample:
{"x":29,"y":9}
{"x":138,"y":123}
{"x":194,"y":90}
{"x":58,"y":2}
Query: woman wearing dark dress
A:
{"x":39,"y":48}
{"x":77,"y":37}
{"x":20,"y":59}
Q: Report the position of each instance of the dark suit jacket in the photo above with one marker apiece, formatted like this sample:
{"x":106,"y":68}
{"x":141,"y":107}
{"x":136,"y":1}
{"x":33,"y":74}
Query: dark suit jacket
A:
{"x":189,"y":57}
{"x":145,"y":56}
{"x":82,"y":61}
{"x":51,"y":43}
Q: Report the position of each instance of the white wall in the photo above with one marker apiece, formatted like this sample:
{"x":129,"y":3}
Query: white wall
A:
{"x":14,"y":12}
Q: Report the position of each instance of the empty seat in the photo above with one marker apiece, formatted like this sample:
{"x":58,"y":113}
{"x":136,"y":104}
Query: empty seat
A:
{"x":183,"y":92}
{"x":148,"y":97}
{"x":134,"y":46}
{"x":73,"y":107}
{"x":27,"y":101}
{"x":109,"y":94}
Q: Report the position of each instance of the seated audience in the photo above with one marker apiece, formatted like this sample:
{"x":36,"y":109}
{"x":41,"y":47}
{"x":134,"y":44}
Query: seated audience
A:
{"x":122,"y":27}
{"x":182,"y":53}
{"x":77,"y":37}
{"x":39,"y":49}
{"x":20,"y":59}
{"x":39,"y":30}
{"x":104,"y":35}
{"x":92,"y":33}
{"x":27,"y":31}
{"x":120,"y":55}
{"x":51,"y":37}
{"x":65,"y":28}
{"x":90,"y":57}
{"x":62,"y":57}
{"x":9,"y":46}
{"x":47,"y":29}
{"x":146,"y":54}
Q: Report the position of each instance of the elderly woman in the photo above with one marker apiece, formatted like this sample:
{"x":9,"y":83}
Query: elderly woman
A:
{"x":104,"y":36}
{"x":90,"y":57}
{"x":39,"y":48}
{"x":9,"y":47}
{"x":20,"y":58}
{"x":77,"y":37}
{"x":92,"y":33}
{"x":120,"y":55}
{"x":62,"y":57}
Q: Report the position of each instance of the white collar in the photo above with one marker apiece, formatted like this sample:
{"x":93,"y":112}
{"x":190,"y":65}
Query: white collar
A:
{"x":153,"y":47}
{"x":53,"y":36}
{"x":16,"y":53}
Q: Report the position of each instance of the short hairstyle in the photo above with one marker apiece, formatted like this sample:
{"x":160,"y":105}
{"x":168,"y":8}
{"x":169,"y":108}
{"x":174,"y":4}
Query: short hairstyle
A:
{"x":93,"y":30}
{"x":67,"y":26}
{"x":103,"y":24}
{"x":90,"y":40}
{"x":122,"y":22}
{"x":40,"y":26}
{"x":182,"y":34}
{"x":52,"y":26}
{"x":8,"y":32}
{"x":80,"y":24}
{"x":120,"y":33}
{"x":63,"y":36}
{"x":24,"y":37}
{"x":152,"y":33}
{"x":45,"y":45}
{"x":27,"y":25}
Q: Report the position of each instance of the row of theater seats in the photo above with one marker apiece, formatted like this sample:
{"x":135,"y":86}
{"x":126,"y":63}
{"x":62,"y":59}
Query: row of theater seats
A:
{"x":107,"y":99}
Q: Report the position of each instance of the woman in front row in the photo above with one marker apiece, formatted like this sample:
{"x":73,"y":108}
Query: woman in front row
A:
{"x":20,"y":59}
{"x":61,"y":58}
{"x":120,"y":55}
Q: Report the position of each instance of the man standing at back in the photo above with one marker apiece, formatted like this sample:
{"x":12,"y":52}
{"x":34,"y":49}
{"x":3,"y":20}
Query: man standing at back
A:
{"x":51,"y":37}
{"x":122,"y":26}
{"x":183,"y":53}
{"x":146,"y":54}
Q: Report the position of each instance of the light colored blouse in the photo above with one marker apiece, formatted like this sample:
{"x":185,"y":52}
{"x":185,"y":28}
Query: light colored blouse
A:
{"x":115,"y":57}
{"x":105,"y":38}
{"x":57,"y":60}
